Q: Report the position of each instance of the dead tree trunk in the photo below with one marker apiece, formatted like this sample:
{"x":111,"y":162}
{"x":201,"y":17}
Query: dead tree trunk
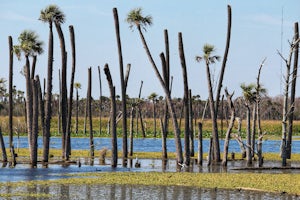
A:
{"x":200,"y":144}
{"x":231,"y":123}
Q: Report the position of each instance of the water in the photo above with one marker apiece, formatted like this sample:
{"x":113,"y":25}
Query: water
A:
{"x":136,"y":192}
{"x":148,"y":144}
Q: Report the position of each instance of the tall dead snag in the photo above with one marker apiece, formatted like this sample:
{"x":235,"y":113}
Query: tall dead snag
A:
{"x":70,"y":106}
{"x":230,"y":126}
{"x":100,"y":101}
{"x":10,"y":98}
{"x":114,"y":160}
{"x":123,"y":88}
{"x":89,"y":98}
{"x":185,"y":101}
{"x":286,"y":107}
{"x":260,"y":134}
{"x":293,"y":94}
{"x":191,"y":116}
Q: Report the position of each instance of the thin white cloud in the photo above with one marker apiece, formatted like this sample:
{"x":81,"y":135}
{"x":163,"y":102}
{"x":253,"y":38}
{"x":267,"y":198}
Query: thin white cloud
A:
{"x":269,"y":20}
{"x":12,"y":16}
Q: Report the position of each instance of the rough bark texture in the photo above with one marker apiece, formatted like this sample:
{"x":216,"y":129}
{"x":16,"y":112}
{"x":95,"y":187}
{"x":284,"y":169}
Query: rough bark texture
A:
{"x":89,"y":97}
{"x":2,"y":144}
{"x":64,"y":98}
{"x":114,"y":160}
{"x":35,"y":125}
{"x":185,"y":102}
{"x":200,"y":144}
{"x":230,"y":126}
{"x":293,"y":93}
{"x":48,"y":112}
{"x":70,"y":106}
{"x":10,"y":89}
{"x":123,"y":88}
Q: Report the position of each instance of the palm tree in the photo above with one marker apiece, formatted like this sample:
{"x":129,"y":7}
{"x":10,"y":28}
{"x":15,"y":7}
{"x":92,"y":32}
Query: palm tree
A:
{"x":208,"y":50}
{"x":59,"y":18}
{"x":77,"y":86}
{"x":10,"y":43}
{"x":153,"y":98}
{"x":30,"y":45}
{"x":249,"y":98}
{"x":48,"y":15}
{"x":136,"y":19}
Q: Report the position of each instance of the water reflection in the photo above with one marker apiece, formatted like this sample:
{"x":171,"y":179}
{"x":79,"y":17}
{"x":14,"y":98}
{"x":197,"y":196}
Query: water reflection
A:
{"x":132,"y":192}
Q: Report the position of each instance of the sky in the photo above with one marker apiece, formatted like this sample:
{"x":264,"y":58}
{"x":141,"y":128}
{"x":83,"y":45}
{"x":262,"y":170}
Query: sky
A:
{"x":260,"y":28}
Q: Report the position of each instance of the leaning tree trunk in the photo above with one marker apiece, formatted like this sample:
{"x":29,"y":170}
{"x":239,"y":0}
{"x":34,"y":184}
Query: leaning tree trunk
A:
{"x":114,"y":160}
{"x":179,"y":156}
{"x":64,"y":98}
{"x":89,"y":98}
{"x":231,"y":123}
{"x":123,"y":88}
{"x":70,"y":106}
{"x":293,"y":94}
{"x":185,"y":102}
{"x":48,"y":112}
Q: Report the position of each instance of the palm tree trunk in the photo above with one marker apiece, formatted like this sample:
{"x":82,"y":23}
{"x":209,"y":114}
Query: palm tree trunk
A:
{"x":48,"y":112}
{"x":64,"y":99}
{"x":123,"y":88}
{"x":70,"y":106}
{"x":166,"y":77}
{"x":185,"y":102}
{"x":35,"y":126}
{"x":253,"y":131}
{"x":168,"y":98}
{"x":77,"y":112}
{"x":131,"y":132}
{"x":114,"y":160}
{"x":33,"y":65}
{"x":29,"y":101}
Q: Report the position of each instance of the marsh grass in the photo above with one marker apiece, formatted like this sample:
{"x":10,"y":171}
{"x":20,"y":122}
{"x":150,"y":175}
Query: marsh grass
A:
{"x":285,"y":183}
{"x":271,"y":127}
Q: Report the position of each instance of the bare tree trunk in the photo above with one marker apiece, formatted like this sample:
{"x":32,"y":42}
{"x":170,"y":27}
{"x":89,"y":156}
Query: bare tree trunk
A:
{"x":163,"y":141}
{"x":209,"y":156}
{"x":4,"y":155}
{"x":70,"y":106}
{"x":89,"y":98}
{"x":166,"y":77}
{"x":123,"y":88}
{"x":293,"y":93}
{"x":114,"y":160}
{"x":232,"y":119}
{"x":10,"y":99}
{"x":131,"y":132}
{"x":239,"y":138}
{"x":248,"y":149}
{"x":185,"y":102}
{"x":253,"y":131}
{"x":100,"y":101}
{"x":77,"y":111}
{"x":191,"y":115}
{"x":200,"y":144}
{"x":29,"y":102}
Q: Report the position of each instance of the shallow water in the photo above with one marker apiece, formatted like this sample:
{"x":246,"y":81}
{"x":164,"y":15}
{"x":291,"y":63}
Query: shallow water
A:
{"x":147,"y":144}
{"x":132,"y":192}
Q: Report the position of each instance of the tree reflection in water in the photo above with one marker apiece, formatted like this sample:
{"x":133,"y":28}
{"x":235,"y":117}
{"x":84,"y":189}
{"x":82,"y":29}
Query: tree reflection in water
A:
{"x":131,"y":192}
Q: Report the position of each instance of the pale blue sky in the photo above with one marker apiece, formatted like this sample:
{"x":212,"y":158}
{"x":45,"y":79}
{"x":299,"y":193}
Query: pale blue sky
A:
{"x":256,"y":33}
